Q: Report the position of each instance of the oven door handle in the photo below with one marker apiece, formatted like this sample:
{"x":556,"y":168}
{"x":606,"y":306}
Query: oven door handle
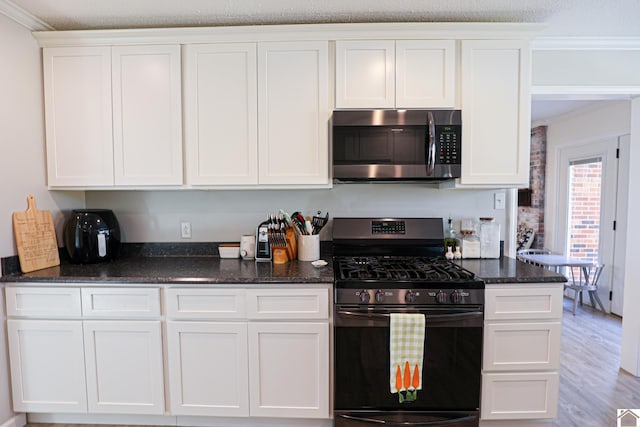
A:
{"x":448,"y":316}
{"x":406,"y":423}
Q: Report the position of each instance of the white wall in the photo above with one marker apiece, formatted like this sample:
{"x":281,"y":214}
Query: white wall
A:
{"x":630,"y":357}
{"x":155,"y":216}
{"x":22,"y":154}
{"x":22,"y":164}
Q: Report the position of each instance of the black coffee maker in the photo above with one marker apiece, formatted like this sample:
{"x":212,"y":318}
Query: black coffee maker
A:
{"x":92,"y":235}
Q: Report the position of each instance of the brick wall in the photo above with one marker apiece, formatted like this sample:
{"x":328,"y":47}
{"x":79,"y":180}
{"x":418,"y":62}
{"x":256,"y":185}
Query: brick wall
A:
{"x":533,"y":216}
{"x":584,"y":205}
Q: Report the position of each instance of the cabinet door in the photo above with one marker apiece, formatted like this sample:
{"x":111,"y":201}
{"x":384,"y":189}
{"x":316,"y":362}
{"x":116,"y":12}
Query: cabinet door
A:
{"x":365,"y":74}
{"x":289,"y":369}
{"x":208,"y":368}
{"x":292,"y":303}
{"x":147,"y":115}
{"x":124,"y":367}
{"x":425,"y":73}
{"x":293,"y":112}
{"x":77,"y":98}
{"x":221,"y":114}
{"x":514,"y":396}
{"x":495,"y":112}
{"x":523,"y":303}
{"x":521,"y":346}
{"x":47,"y":365}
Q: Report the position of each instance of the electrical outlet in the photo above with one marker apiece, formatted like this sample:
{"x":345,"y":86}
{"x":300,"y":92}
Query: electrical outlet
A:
{"x":499,"y":200}
{"x":185,"y":230}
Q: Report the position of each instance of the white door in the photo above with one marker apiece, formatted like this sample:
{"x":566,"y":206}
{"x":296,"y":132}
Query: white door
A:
{"x":208,"y":368}
{"x":289,"y":369}
{"x":147,"y":115}
{"x":47,"y":365}
{"x":124,"y":367}
{"x":617,"y":284}
{"x":221,"y":114}
{"x":587,"y":180}
{"x":77,"y":101}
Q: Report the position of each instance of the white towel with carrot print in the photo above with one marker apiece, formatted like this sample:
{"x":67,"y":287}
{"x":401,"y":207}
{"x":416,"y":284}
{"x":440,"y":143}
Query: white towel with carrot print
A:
{"x":406,"y":348}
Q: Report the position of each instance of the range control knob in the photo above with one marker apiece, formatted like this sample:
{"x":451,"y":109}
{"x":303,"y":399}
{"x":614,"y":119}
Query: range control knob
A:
{"x":456,"y":297}
{"x":442,"y":297}
{"x":410,"y":297}
{"x":380,"y":295}
{"x":364,"y":296}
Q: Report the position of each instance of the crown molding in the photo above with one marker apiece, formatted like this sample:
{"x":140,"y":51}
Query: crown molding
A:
{"x":23,"y":17}
{"x":350,"y":31}
{"x":586,"y":43}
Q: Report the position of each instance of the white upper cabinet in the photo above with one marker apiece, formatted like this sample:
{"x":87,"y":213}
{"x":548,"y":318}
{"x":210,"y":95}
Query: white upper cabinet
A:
{"x":221,"y":114}
{"x":425,"y":73}
{"x":113,"y":116}
{"x":495,"y":112}
{"x":77,"y":98}
{"x":365,"y":74}
{"x":147,"y":115}
{"x":395,"y":74}
{"x":293,"y":113}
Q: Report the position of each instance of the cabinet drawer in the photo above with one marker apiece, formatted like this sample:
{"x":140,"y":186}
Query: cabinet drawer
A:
{"x":45,"y":301}
{"x":522,"y":346}
{"x":523,"y":303}
{"x":205,"y":303}
{"x":121,"y":303}
{"x":288,"y":304}
{"x":519,"y":396}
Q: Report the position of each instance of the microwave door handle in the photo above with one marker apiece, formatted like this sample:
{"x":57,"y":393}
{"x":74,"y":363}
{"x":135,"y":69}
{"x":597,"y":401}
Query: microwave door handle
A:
{"x":378,"y":421}
{"x":430,"y":144}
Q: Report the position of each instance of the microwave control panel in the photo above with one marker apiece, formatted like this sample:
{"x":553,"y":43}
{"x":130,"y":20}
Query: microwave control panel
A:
{"x":448,"y":144}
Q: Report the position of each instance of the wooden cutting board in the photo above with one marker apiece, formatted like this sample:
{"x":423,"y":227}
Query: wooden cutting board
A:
{"x":35,"y":238}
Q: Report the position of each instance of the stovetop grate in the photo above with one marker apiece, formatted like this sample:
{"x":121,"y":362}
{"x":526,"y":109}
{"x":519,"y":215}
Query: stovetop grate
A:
{"x":419,"y":269}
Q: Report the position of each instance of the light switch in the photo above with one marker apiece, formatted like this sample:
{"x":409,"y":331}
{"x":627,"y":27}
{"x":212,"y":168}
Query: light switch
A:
{"x":499,"y":200}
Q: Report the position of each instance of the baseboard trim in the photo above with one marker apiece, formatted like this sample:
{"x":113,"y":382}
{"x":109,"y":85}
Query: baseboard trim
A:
{"x":18,"y":420}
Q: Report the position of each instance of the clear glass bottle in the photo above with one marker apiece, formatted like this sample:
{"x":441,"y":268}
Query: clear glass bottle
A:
{"x":450,"y":236}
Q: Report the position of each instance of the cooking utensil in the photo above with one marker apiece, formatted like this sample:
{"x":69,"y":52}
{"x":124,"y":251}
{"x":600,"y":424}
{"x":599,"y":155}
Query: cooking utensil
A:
{"x":318,"y":222}
{"x":35,"y":238}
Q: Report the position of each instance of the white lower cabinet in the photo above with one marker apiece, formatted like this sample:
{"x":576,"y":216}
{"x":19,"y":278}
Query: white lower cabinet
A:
{"x":521,"y":356}
{"x":110,"y":365}
{"x":47,"y":365}
{"x":243,"y":365}
{"x":208,"y":372}
{"x":289,"y":369}
{"x":124,"y":366}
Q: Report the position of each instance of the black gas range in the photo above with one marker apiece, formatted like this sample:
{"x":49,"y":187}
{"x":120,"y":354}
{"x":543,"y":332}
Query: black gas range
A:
{"x":390,"y":268}
{"x":398,"y":261}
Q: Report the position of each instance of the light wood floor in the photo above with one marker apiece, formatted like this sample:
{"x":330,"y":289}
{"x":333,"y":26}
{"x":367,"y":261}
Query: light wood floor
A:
{"x":592,"y":386}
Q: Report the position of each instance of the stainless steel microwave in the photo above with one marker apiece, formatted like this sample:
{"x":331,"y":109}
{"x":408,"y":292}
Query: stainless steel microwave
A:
{"x":396,"y":145}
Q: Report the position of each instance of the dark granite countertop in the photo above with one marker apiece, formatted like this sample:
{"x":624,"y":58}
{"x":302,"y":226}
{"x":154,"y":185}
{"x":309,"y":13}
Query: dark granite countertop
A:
{"x":194,"y":264}
{"x":180,"y":270}
{"x":509,"y":270}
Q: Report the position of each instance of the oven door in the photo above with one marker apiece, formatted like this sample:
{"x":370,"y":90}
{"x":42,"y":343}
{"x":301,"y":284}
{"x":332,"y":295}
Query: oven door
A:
{"x":405,"y":419}
{"x":451,"y":364}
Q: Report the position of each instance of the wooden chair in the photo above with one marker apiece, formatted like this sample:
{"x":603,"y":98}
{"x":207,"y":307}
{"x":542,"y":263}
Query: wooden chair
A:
{"x":589,"y":284}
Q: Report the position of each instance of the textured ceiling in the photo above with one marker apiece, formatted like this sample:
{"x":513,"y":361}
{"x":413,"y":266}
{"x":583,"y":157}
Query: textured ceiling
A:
{"x":591,"y":18}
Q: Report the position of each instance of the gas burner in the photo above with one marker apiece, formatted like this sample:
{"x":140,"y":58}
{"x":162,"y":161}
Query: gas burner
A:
{"x":418,"y":269}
